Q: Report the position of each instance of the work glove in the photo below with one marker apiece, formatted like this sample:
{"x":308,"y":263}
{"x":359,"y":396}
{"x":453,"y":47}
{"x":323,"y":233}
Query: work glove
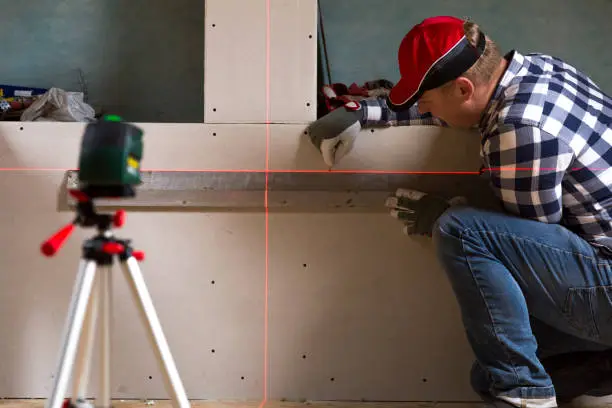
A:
{"x":334,"y":134}
{"x":419,"y":211}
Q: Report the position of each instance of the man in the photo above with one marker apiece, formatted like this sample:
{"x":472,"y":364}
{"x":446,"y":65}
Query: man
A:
{"x":534,"y":283}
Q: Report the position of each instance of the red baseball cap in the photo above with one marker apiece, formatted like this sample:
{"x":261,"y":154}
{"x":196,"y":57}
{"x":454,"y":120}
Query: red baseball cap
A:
{"x":432,"y":53}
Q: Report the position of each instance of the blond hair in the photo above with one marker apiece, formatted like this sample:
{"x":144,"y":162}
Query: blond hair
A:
{"x":488,"y":62}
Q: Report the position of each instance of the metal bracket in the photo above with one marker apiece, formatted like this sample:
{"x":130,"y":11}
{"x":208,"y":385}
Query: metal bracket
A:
{"x":286,"y":192}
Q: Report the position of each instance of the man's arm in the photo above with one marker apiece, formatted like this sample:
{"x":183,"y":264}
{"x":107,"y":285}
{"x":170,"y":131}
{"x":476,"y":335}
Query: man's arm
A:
{"x":376,"y":112}
{"x":335,"y":133}
{"x":527,"y":166}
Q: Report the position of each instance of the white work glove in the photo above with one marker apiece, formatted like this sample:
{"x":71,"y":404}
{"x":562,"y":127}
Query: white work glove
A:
{"x":419,"y":211}
{"x":334,"y":134}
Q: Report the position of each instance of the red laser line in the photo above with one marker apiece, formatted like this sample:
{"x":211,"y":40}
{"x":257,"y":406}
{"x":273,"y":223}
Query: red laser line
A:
{"x":267,"y":214}
{"x":267,"y":170}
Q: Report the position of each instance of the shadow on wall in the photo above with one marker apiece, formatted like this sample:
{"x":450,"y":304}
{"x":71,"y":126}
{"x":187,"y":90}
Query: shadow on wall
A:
{"x":142,"y":59}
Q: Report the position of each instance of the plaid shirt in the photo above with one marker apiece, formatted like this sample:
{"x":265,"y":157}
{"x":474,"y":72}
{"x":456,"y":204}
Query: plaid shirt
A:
{"x":546,"y":143}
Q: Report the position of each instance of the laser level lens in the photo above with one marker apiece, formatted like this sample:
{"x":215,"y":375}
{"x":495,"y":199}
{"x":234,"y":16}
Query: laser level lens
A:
{"x":113,"y":118}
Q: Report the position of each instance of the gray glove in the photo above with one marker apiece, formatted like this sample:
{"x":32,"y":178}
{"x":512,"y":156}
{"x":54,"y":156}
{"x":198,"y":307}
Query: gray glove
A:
{"x":334,"y":134}
{"x":419,"y":211}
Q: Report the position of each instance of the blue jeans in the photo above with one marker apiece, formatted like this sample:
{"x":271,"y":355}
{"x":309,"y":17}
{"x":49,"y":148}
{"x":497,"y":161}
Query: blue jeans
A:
{"x":526,"y":290}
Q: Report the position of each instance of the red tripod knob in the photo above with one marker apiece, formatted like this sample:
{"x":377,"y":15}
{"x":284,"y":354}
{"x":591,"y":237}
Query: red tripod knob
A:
{"x":139,"y":255}
{"x":119,"y":218}
{"x":113,"y":248}
{"x":53,"y":244}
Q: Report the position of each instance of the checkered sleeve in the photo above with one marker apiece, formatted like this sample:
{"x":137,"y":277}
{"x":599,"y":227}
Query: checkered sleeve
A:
{"x":377,"y":113}
{"x":527,"y":166}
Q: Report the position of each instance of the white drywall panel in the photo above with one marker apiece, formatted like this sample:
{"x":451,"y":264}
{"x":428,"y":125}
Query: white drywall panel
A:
{"x":259,"y":55}
{"x":184,"y":146}
{"x":358,"y":310}
{"x":185,"y":254}
{"x":393,"y":149}
{"x":370,"y":309}
{"x":293,"y":61}
{"x":377,"y":319}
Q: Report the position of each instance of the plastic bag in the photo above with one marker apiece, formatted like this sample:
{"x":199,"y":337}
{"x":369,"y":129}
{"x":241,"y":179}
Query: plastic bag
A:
{"x":58,"y":105}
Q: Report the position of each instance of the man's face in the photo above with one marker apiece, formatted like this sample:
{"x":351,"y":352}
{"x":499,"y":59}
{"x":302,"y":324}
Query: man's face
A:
{"x":454,"y":103}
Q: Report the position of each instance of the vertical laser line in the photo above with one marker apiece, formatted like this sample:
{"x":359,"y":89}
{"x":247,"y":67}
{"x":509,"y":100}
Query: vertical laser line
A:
{"x":267,"y":215}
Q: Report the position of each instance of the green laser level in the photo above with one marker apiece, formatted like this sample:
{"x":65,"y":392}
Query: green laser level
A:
{"x":109,"y":161}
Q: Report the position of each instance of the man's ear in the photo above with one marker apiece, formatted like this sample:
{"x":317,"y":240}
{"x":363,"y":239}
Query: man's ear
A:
{"x":465,"y":88}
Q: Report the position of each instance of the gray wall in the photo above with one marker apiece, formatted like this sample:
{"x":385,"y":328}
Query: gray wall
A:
{"x":362,"y":38}
{"x":143,"y":59}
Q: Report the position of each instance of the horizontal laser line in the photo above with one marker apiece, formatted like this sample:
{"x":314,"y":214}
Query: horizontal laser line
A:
{"x":348,"y":171}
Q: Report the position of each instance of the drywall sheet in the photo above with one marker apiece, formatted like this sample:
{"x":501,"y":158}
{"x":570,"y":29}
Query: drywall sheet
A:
{"x":335,"y":305}
{"x":260,"y":63}
{"x":245,"y":147}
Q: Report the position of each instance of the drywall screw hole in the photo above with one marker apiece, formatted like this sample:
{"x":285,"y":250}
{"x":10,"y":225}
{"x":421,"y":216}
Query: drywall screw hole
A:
{"x":21,"y":128}
{"x":332,"y":379}
{"x":212,"y":351}
{"x":304,"y":356}
{"x":242,"y":378}
{"x":372,"y":130}
{"x":310,"y":36}
{"x":307,"y":103}
{"x":424,"y":379}
{"x":215,"y":134}
{"x":214,"y":109}
{"x":214,"y":25}
{"x":304,"y":265}
{"x":150,"y":378}
{"x":212,"y":282}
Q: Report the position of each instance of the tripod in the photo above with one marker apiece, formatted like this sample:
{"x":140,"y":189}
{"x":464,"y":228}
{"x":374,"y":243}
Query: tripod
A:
{"x":91,"y":298}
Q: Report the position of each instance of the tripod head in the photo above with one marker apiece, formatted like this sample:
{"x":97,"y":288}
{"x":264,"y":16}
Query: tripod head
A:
{"x":109,"y":167}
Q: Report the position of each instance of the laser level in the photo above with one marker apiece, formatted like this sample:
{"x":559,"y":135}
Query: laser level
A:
{"x":109,"y":166}
{"x":109,"y":162}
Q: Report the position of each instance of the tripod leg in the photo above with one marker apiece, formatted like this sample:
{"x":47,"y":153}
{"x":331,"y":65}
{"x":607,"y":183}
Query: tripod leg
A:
{"x":105,"y":336}
{"x":72,"y":331}
{"x":83,"y":360}
{"x":173,"y":382}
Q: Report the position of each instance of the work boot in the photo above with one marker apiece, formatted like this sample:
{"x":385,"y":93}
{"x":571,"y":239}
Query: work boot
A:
{"x":581,"y":378}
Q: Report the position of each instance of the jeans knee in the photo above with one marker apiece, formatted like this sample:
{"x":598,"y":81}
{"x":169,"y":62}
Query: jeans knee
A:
{"x":453,"y":222}
{"x":449,"y":233}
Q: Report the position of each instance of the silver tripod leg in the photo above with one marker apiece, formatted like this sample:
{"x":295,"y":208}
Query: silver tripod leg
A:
{"x":99,"y":304}
{"x":148,"y":315}
{"x":81,"y":294}
{"x":105,"y":282}
{"x":83,"y":361}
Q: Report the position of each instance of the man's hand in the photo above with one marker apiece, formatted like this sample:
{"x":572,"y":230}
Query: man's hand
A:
{"x":419,"y":211}
{"x":334,"y":134}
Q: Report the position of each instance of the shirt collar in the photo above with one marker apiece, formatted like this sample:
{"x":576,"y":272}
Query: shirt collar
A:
{"x":515,"y":64}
